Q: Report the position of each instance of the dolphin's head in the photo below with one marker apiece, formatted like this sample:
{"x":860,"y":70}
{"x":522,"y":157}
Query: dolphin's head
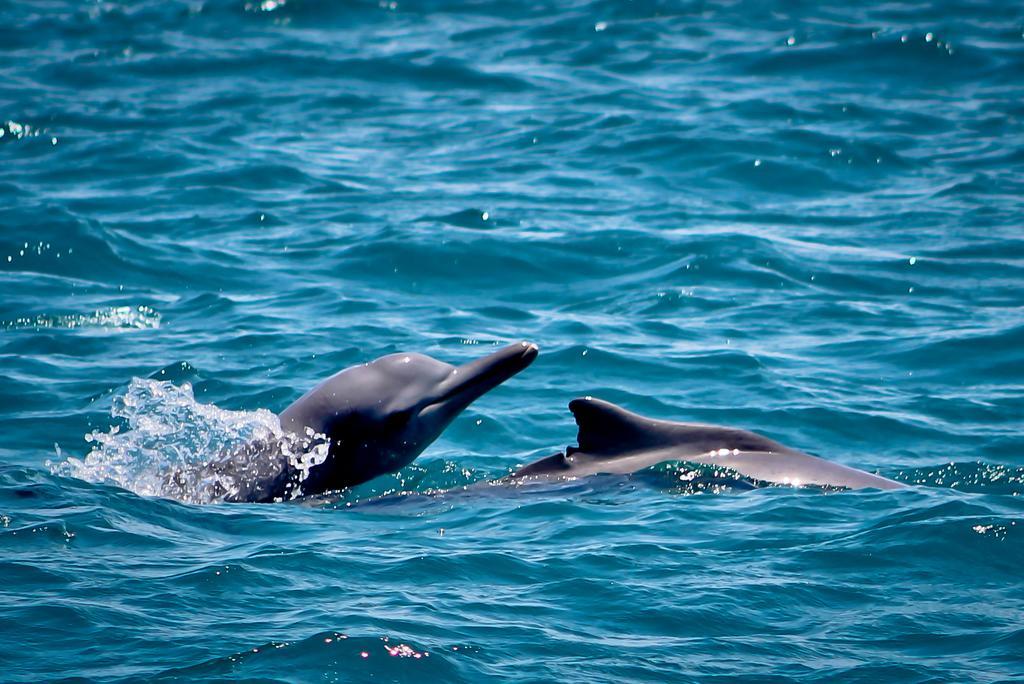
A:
{"x":381,"y":415}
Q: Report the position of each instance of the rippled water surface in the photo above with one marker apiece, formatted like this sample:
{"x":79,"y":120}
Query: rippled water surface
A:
{"x":805,"y":219}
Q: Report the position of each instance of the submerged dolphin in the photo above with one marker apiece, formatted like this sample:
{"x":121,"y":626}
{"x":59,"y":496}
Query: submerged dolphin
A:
{"x":614,"y":440}
{"x":376,"y":418}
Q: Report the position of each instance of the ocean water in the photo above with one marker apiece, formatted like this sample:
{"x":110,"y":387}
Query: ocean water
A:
{"x":805,"y":219}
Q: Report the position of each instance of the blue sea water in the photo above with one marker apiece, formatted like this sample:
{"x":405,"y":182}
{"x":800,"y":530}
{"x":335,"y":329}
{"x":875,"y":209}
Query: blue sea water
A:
{"x":805,"y":219}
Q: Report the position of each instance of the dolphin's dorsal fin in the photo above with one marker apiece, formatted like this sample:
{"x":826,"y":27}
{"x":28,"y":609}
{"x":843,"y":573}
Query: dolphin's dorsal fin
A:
{"x":605,"y":428}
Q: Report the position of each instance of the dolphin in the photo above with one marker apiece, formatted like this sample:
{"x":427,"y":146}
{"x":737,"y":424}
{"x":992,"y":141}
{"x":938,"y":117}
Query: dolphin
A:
{"x":614,"y":440}
{"x":374,"y":418}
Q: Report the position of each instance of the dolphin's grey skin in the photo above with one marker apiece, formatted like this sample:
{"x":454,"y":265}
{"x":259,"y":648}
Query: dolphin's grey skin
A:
{"x":614,"y":440}
{"x":378,"y":417}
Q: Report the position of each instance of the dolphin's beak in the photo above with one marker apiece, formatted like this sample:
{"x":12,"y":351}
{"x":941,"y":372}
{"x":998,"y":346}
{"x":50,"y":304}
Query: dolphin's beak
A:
{"x":472,"y":380}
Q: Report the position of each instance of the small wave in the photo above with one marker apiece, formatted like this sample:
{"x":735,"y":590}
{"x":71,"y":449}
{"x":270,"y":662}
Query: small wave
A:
{"x":385,"y":657}
{"x":130,"y":317}
{"x":467,"y":218}
{"x":164,"y":443}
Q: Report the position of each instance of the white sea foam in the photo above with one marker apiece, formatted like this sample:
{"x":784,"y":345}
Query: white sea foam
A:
{"x":165,"y":443}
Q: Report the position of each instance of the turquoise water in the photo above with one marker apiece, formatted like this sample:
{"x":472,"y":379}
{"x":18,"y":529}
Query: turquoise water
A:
{"x":801,"y":218}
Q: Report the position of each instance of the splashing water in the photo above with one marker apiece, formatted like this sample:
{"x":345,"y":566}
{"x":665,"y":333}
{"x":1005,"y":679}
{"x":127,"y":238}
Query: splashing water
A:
{"x":178,"y":448}
{"x":133,"y":317}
